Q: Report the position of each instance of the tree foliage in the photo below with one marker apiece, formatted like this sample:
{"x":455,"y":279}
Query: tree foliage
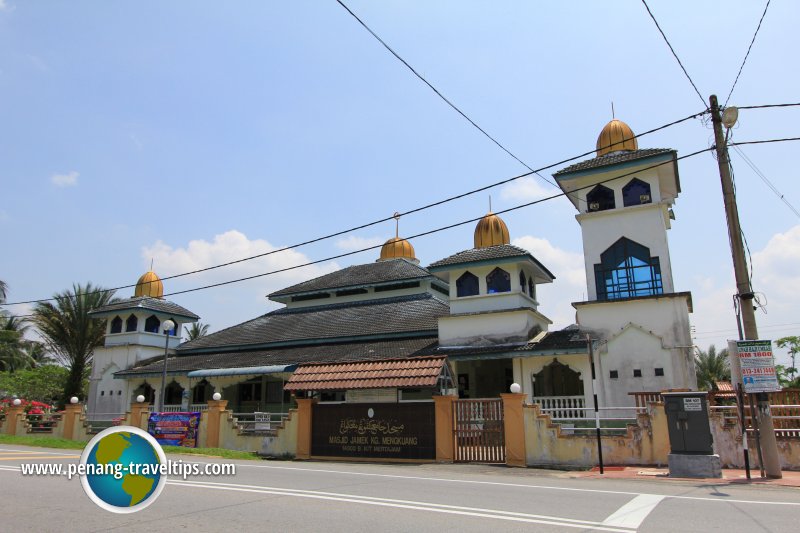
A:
{"x":711,"y":367}
{"x":793,"y":344}
{"x":70,"y":334}
{"x":43,"y":384}
{"x":197,"y":330}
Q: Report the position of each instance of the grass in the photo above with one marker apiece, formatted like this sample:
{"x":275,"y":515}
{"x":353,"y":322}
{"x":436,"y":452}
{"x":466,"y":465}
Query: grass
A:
{"x":65,"y":444}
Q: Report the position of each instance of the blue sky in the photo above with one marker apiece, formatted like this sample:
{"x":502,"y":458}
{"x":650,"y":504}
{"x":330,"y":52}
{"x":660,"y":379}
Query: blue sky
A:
{"x":193,"y":133}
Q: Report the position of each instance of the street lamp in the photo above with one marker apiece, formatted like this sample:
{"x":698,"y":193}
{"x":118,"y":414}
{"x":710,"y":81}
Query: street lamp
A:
{"x":168,"y":325}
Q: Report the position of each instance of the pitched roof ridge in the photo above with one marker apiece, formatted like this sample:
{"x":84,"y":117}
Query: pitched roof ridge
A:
{"x":356,"y":303}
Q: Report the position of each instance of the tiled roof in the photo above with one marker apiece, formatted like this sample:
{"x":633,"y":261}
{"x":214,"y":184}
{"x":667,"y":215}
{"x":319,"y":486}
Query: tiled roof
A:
{"x":613,"y":158}
{"x":399,"y":373}
{"x":148,"y":303}
{"x":569,"y":339}
{"x":400,"y":314}
{"x":325,"y":353}
{"x":359,"y":276}
{"x":475,"y":255}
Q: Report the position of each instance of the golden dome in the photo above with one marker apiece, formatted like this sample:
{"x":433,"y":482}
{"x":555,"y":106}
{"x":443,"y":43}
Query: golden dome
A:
{"x":491,"y":231}
{"x":149,"y":285}
{"x":616,"y":135}
{"x":397,"y":248}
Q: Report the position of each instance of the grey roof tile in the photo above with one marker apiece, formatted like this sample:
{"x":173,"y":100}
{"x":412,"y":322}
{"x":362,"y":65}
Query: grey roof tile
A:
{"x":400,"y":314}
{"x":475,"y":255}
{"x":145,"y":302}
{"x":613,"y":158}
{"x":326,"y":353}
{"x":359,"y":276}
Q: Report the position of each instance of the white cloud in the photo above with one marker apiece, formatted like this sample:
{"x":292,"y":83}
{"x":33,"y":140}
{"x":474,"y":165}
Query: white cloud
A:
{"x":775,"y":274}
{"x":4,"y":6}
{"x":354,"y":242}
{"x":229,"y":304}
{"x":570,"y":285}
{"x":525,"y":189}
{"x":65,"y":180}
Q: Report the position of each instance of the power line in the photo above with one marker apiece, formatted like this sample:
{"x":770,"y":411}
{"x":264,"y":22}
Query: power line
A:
{"x":766,"y":180}
{"x":439,"y":94}
{"x":418,"y":235}
{"x":748,"y":53}
{"x":379,"y":221}
{"x":673,"y":52}
{"x":765,"y":106}
{"x":766,"y":141}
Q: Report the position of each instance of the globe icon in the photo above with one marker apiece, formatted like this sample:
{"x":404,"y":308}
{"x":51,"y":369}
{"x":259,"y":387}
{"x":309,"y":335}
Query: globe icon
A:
{"x":123,"y":469}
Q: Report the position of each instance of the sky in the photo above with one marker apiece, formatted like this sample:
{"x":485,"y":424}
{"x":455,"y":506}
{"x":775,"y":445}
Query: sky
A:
{"x":190,"y":134}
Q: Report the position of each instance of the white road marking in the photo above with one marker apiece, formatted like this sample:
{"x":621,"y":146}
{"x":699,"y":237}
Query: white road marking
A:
{"x":498,"y":483}
{"x":37,"y":452}
{"x":406,"y":504}
{"x":633,"y":513}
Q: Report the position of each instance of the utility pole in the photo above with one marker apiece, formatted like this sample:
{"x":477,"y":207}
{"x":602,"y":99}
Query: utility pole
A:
{"x":769,"y":445}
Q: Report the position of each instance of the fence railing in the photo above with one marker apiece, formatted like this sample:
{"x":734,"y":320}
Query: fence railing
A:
{"x":562,"y":407}
{"x":784,"y":407}
{"x":258,"y":421}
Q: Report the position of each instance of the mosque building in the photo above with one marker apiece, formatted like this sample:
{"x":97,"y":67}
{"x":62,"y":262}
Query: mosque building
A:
{"x":470,"y":321}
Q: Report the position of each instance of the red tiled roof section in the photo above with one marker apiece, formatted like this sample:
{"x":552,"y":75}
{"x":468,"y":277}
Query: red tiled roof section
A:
{"x":394,"y":373}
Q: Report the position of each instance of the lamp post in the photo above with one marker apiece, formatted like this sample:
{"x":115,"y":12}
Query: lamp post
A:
{"x":167,"y":325}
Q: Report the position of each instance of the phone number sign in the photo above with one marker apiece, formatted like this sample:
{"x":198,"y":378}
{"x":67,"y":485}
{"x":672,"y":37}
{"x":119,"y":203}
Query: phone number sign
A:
{"x":758,"y":366}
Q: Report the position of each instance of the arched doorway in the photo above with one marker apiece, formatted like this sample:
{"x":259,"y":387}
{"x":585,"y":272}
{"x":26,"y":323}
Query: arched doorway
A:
{"x":558,"y":390}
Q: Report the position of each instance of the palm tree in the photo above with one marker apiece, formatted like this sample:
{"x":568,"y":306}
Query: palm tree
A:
{"x":711,"y":367}
{"x":197,"y":330}
{"x":70,"y":334}
{"x":13,"y":345}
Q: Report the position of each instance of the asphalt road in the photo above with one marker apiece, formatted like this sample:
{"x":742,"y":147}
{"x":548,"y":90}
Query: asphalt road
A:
{"x":348,"y":497}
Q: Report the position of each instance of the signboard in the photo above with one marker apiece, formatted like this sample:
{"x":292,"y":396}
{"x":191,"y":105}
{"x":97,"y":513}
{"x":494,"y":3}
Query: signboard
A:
{"x":757,"y":366}
{"x":377,"y":430}
{"x":174,"y":429}
{"x":692,"y":404}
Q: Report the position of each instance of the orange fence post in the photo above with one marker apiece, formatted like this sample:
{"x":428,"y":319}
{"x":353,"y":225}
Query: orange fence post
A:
{"x":443,"y":414}
{"x":514,"y":423}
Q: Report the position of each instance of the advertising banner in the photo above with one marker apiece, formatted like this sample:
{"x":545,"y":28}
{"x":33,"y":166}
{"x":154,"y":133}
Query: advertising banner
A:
{"x":757,"y":366}
{"x":378,"y":430}
{"x":174,"y":429}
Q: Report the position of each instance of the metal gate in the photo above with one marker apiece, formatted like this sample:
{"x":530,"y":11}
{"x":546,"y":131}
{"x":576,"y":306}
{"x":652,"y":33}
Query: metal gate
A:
{"x":479,"y":431}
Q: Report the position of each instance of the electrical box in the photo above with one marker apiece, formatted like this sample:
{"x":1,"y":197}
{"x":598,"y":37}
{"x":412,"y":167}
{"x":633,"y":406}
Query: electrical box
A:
{"x":687,"y":419}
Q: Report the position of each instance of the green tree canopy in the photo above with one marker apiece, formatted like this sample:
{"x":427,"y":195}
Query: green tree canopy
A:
{"x":70,"y":334}
{"x":197,"y":330}
{"x":43,"y":384}
{"x":711,"y":367}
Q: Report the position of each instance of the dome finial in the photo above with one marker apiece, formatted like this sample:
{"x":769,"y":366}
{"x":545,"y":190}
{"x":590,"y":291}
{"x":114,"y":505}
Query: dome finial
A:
{"x":149,"y":285}
{"x":397,"y":248}
{"x":490,"y":203}
{"x":491,"y":231}
{"x":613,"y":116}
{"x":616,"y":136}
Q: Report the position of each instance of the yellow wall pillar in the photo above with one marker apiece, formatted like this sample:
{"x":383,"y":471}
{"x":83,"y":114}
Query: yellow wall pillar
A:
{"x":138,"y":411}
{"x":213,"y":426}
{"x":305,"y":407}
{"x":13,"y":414}
{"x":514,"y":425}
{"x":443,"y":414}
{"x":72,"y":412}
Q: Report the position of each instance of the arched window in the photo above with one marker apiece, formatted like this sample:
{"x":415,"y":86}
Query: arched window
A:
{"x":147,"y":391}
{"x":173,"y":395}
{"x":467,"y":284}
{"x":132,"y":323}
{"x":600,"y":198}
{"x":202,"y":392}
{"x":557,"y":379}
{"x":151,"y":324}
{"x":116,"y":325}
{"x":627,"y":270}
{"x":636,"y":192}
{"x":523,"y":282}
{"x":498,"y":280}
{"x":531,"y":288}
